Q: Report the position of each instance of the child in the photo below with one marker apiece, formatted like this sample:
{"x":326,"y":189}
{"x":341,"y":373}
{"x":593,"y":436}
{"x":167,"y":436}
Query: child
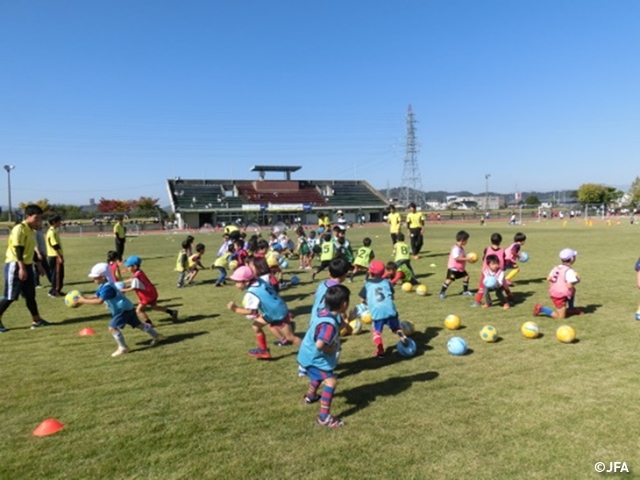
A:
{"x":377,"y":293}
{"x":145,"y":290}
{"x":511,"y":256}
{"x":302,"y":249}
{"x":195,"y":264}
{"x":122,"y":310}
{"x":562,"y":281}
{"x":493,"y":270}
{"x":456,"y":266}
{"x":189,"y":241}
{"x":265,"y":307}
{"x":363,"y":258}
{"x":402,"y":253}
{"x":338,"y":270}
{"x":314,"y":246}
{"x":221,"y":264}
{"x":238,"y":252}
{"x":113,"y":260}
{"x":399,"y":274}
{"x":182,"y":263}
{"x":319,"y":350}
{"x":343,"y":250}
{"x":327,"y":254}
{"x":493,"y":249}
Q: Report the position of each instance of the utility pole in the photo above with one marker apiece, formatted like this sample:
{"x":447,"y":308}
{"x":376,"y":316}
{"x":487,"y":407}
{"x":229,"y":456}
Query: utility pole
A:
{"x":411,"y":190}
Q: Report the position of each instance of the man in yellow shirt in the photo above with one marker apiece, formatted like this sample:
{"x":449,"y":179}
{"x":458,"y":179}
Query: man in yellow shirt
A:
{"x":18,"y":269}
{"x":55,"y":256}
{"x":394,"y":220}
{"x":415,"y":223}
{"x":120,"y":233}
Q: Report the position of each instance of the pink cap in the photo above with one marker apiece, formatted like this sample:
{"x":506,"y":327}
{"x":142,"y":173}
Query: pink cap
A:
{"x":242,"y":274}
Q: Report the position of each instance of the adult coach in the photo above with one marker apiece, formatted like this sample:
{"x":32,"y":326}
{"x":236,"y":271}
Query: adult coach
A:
{"x":394,"y":220}
{"x":120,"y":233}
{"x":18,"y":267}
{"x":415,"y":223}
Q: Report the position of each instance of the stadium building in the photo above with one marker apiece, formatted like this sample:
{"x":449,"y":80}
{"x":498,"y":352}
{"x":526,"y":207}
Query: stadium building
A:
{"x":197,"y":203}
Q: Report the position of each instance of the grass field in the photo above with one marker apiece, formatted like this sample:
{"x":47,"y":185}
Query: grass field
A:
{"x":197,"y":406}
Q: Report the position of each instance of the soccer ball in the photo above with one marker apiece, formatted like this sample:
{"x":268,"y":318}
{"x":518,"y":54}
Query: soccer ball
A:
{"x":490,"y":282}
{"x":356,"y":326}
{"x":233,"y":264}
{"x":638,"y":314}
{"x":489,"y":333}
{"x":284,"y":264}
{"x":457,"y":346}
{"x":295,"y":280}
{"x":366,"y":317}
{"x":71,"y":298}
{"x":530,"y":329}
{"x":407,"y":287}
{"x":408,"y":350}
{"x":566,"y":334}
{"x":472,"y":257}
{"x":421,"y":290}
{"x":452,"y":322}
{"x":407,"y":327}
{"x":524,"y":257}
{"x":120,"y":285}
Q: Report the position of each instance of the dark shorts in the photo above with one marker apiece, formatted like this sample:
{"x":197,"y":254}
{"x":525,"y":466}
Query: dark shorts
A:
{"x":280,"y":323}
{"x":392,"y":322}
{"x":13,"y":286}
{"x":455,"y":274}
{"x":128,"y":317}
{"x":319,"y":375}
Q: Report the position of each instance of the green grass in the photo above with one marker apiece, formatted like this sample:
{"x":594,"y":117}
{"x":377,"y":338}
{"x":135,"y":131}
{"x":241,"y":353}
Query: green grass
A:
{"x":197,"y":406}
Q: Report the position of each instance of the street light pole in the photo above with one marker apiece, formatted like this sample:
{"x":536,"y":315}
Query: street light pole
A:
{"x":8,"y":168}
{"x":486,"y":191}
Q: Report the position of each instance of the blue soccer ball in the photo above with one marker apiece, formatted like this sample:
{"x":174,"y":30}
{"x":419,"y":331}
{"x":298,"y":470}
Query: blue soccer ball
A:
{"x":490,"y":282}
{"x":120,"y":285}
{"x":457,"y":346}
{"x":295,"y":280}
{"x":524,"y":257}
{"x":408,"y":349}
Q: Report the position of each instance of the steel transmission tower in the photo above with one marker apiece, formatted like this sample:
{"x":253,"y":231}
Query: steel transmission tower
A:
{"x":411,"y":189}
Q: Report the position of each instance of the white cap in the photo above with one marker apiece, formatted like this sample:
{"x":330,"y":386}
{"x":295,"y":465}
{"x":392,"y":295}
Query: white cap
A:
{"x":339,"y":212}
{"x":99,"y":270}
{"x":567,"y":254}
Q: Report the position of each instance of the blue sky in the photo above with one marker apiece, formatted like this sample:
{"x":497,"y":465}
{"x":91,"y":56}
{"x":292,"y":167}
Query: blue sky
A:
{"x":111,"y":98}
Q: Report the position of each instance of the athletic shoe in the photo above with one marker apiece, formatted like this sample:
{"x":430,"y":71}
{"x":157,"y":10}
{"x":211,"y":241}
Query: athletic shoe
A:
{"x":259,"y":353}
{"x":157,"y":340}
{"x":174,"y":315}
{"x":442,"y":297}
{"x":467,"y":293}
{"x":282,"y":343}
{"x":309,"y":400}
{"x":120,"y":351}
{"x":378,"y":354}
{"x":329,"y":421}
{"x":4,"y":329}
{"x":403,"y":337}
{"x":537,"y":309}
{"x":40,"y":323}
{"x":302,"y":372}
{"x":475,"y":304}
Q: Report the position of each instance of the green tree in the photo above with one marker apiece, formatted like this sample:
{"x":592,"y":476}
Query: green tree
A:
{"x":634,"y":193}
{"x":532,"y":201}
{"x":591,"y":193}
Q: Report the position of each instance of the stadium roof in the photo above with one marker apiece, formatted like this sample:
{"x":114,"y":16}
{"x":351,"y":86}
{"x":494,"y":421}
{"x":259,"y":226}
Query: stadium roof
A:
{"x":287,"y":169}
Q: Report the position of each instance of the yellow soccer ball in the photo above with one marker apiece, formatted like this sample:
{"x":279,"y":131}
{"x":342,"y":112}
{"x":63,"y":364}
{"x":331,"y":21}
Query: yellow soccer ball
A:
{"x":233,"y":264}
{"x":407,"y":327}
{"x":356,"y":326}
{"x":71,"y":298}
{"x":530,"y":329}
{"x":452,"y":322}
{"x":421,"y":290}
{"x":472,"y":257}
{"x":407,"y":287}
{"x":566,"y":334}
{"x":489,"y":333}
{"x":366,"y":317}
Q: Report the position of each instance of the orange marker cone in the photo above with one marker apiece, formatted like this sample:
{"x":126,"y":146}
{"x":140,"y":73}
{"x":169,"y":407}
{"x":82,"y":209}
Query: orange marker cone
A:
{"x":86,"y":332}
{"x":48,"y":427}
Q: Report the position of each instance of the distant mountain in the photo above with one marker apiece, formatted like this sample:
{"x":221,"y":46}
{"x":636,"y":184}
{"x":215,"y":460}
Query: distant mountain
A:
{"x":562,"y":196}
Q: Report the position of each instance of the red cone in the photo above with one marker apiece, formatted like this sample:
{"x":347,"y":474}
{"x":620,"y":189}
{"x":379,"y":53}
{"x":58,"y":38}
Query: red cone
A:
{"x":48,"y":427}
{"x":86,"y":332}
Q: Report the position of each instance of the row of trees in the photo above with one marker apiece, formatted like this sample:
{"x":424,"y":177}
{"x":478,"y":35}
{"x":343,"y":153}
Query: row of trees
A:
{"x":599,"y":194}
{"x":144,"y":207}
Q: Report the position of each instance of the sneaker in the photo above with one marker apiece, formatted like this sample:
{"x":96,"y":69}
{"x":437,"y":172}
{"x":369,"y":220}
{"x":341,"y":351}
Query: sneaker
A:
{"x":302,"y":372}
{"x":309,"y":400}
{"x":51,"y":295}
{"x":4,"y":329}
{"x":442,"y":297}
{"x":259,"y":353}
{"x":120,"y":351}
{"x":475,"y":304}
{"x":282,"y":343}
{"x":157,"y":340}
{"x":536,"y":309}
{"x":403,"y":337}
{"x":378,"y":354}
{"x":467,"y":293}
{"x":40,"y":323}
{"x":329,"y":421}
{"x":174,"y":315}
